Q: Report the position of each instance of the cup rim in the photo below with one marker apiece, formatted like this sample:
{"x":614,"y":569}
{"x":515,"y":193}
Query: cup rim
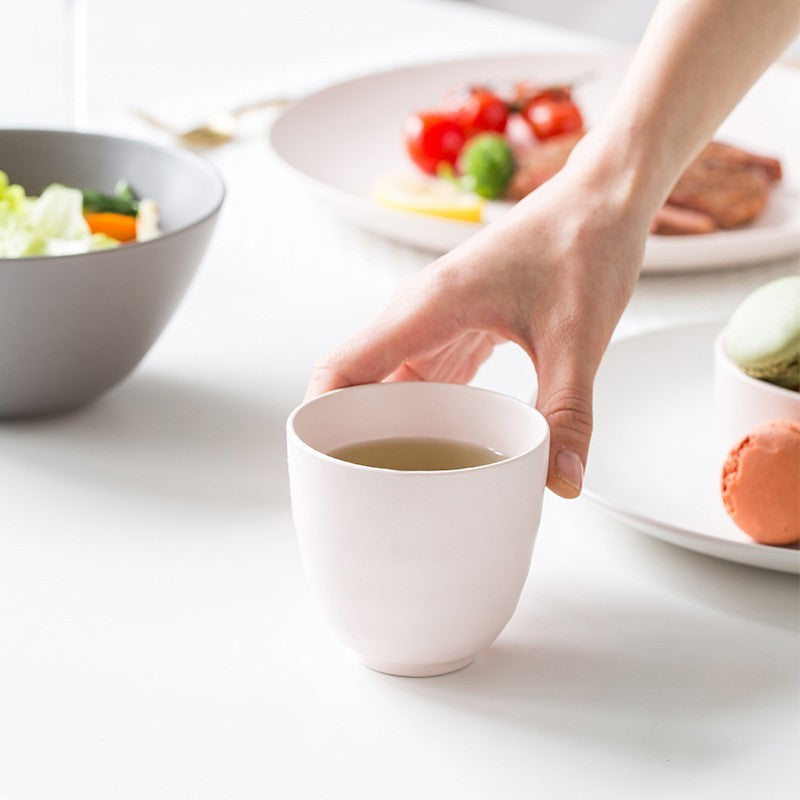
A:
{"x":292,"y":434}
{"x":724,"y":360}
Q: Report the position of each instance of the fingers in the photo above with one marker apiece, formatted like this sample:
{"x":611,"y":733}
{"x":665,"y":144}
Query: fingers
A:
{"x":455,"y":362}
{"x":417,"y":323}
{"x":565,"y":399}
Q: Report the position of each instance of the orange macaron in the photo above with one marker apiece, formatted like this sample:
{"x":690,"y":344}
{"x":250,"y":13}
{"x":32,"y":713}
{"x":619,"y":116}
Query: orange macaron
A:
{"x":761,"y":483}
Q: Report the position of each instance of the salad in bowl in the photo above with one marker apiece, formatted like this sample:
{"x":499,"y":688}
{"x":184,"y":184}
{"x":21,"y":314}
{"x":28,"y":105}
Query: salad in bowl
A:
{"x":64,"y":220}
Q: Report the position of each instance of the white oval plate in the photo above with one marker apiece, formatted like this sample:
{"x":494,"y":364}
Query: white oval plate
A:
{"x":656,"y":458}
{"x":343,"y":138}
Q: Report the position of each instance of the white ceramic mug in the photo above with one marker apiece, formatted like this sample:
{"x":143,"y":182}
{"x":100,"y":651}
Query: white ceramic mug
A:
{"x":417,"y":572}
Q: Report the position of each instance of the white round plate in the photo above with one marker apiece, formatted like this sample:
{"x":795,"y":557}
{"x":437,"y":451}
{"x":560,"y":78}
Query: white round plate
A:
{"x":343,"y":138}
{"x":656,"y":458}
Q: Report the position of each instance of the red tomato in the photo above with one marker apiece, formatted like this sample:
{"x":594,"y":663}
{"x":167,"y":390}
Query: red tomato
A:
{"x":523,"y":92}
{"x":432,"y":137}
{"x":478,"y":109}
{"x":552,"y":113}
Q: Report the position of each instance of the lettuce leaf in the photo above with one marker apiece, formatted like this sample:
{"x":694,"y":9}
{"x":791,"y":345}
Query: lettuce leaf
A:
{"x":17,"y":236}
{"x":58,"y":213}
{"x":52,"y":224}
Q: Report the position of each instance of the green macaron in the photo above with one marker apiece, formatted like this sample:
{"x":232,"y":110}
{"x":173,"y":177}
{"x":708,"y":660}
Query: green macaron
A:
{"x":763,"y":335}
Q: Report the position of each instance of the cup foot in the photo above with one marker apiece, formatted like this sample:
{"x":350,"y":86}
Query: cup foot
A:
{"x":416,"y":670}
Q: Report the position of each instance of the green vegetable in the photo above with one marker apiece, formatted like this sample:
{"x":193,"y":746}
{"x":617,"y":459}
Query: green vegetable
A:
{"x":51,"y":224}
{"x":12,"y":196}
{"x":17,"y":237}
{"x":124,"y":191}
{"x":58,"y":213}
{"x":123,"y":201}
{"x":486,"y":165}
{"x":71,"y":247}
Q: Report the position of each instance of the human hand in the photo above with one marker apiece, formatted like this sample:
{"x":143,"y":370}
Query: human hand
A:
{"x":553,"y":275}
{"x":556,"y":272}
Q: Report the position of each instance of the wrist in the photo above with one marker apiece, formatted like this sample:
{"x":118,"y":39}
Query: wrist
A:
{"x":628,"y":171}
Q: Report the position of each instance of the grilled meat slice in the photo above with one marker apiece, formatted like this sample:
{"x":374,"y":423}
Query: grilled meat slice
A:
{"x":671,"y":221}
{"x":723,"y":187}
{"x":726,"y":184}
{"x":734,"y":157}
{"x":538,"y":164}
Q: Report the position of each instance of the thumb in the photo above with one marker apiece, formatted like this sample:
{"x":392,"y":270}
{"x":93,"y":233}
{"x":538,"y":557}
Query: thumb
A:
{"x":565,"y":400}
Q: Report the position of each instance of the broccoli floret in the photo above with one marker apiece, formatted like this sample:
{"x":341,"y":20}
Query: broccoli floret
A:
{"x":486,"y":164}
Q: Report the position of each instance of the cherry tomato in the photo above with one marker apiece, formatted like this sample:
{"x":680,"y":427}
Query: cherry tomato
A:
{"x":552,"y":113}
{"x":432,"y":137}
{"x":478,"y":109}
{"x":523,"y":92}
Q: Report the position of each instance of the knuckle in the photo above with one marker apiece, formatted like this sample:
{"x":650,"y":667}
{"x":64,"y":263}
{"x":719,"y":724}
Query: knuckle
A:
{"x":327,"y":363}
{"x":329,"y":368}
{"x":443,"y":291}
{"x":444,"y":279}
{"x":569,"y":409}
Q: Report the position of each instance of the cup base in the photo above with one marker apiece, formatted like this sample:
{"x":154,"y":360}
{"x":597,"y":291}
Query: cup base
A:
{"x":416,"y":670}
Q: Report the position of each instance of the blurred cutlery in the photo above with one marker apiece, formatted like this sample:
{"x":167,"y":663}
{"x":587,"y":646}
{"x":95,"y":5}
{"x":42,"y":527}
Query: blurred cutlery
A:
{"x":218,"y":129}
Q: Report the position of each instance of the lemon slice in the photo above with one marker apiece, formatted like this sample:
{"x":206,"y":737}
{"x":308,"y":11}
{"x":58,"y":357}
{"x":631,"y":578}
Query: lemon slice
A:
{"x":425,"y":195}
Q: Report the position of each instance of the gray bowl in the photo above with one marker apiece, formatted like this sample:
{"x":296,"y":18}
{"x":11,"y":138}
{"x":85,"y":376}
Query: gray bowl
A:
{"x":71,"y":327}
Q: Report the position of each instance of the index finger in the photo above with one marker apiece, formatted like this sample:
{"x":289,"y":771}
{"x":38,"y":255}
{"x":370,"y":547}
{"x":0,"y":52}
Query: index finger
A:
{"x":402,"y":332}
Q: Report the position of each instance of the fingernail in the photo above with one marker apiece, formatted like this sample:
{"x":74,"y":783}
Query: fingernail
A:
{"x":569,"y":469}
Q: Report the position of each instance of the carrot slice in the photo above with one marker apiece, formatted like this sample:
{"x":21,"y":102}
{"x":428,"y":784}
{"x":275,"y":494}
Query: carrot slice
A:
{"x":121,"y":227}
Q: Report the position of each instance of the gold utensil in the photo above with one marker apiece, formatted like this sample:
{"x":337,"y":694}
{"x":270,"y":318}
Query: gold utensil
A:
{"x":218,"y":129}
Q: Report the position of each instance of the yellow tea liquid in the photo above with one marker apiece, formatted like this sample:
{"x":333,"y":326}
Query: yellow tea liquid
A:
{"x":408,"y":453}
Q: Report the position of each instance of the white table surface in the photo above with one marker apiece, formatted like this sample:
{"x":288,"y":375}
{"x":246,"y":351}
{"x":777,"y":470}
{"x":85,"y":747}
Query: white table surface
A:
{"x":157,"y":637}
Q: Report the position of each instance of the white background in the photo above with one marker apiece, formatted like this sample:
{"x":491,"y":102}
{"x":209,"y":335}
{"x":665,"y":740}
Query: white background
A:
{"x":157,"y":637}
